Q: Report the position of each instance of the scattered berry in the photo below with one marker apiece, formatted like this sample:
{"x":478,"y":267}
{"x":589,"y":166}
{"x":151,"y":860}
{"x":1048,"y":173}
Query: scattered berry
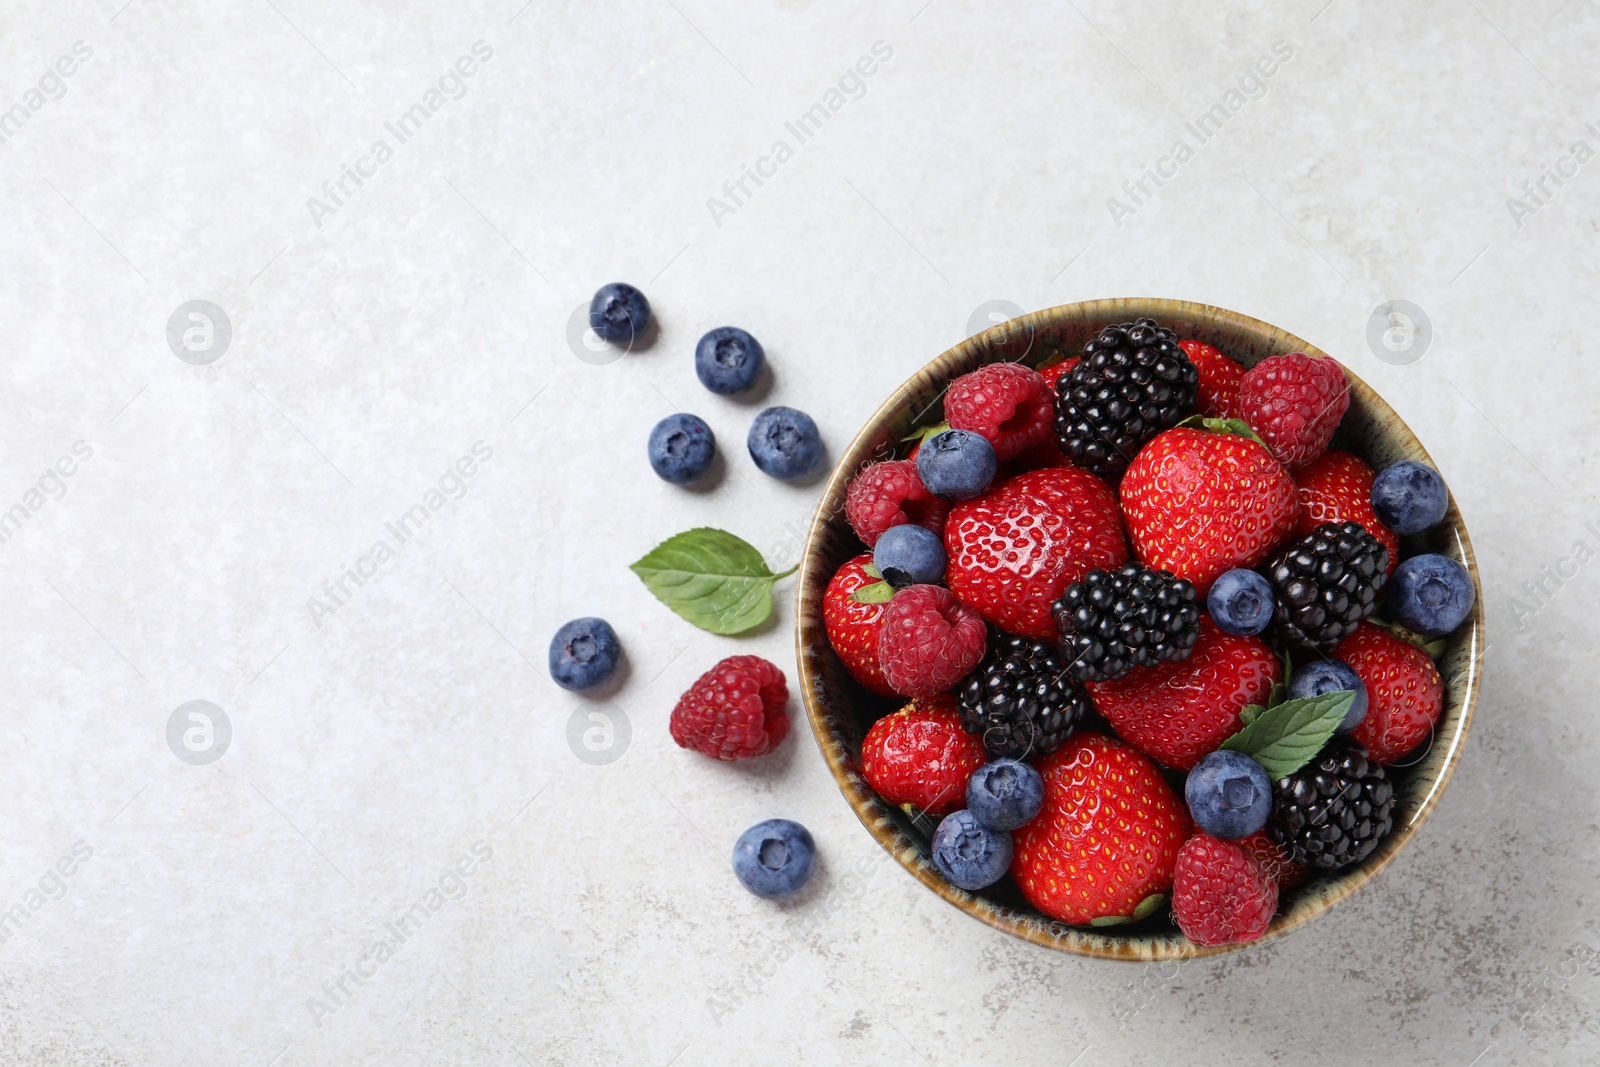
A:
{"x":1326,"y":583}
{"x":1221,"y":894}
{"x":1005,"y":403}
{"x":681,"y":448}
{"x":1404,"y":690}
{"x":1015,"y":549}
{"x":909,"y":555}
{"x":1410,"y":497}
{"x":930,"y":641}
{"x":1021,"y":701}
{"x":1132,"y":382}
{"x":1294,"y":402}
{"x":1229,"y":795}
{"x":956,"y":464}
{"x":889,"y":494}
{"x":784,"y":443}
{"x":1273,"y":861}
{"x":728,"y":360}
{"x":1332,"y":676}
{"x":1240,"y":602}
{"x":736,"y":710}
{"x":584,"y":654}
{"x":1333,"y":811}
{"x":920,"y":756}
{"x":1219,"y":380}
{"x":1199,"y":503}
{"x":1431,"y":594}
{"x":1005,"y":794}
{"x":854,"y":627}
{"x":619,"y":312}
{"x":1337,"y":487}
{"x":774,"y":858}
{"x":1104,"y":844}
{"x":1178,"y":712}
{"x":969,"y":854}
{"x":1113,"y":621}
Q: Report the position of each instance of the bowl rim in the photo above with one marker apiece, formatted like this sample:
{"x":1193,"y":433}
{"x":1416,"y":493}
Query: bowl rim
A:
{"x":812,"y":642}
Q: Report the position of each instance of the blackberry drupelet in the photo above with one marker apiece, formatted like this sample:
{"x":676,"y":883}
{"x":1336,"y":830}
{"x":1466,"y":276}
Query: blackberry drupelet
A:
{"x":1021,"y":701}
{"x":1134,"y":616}
{"x":1333,"y":811}
{"x":1325,"y":583}
{"x":1132,"y":382}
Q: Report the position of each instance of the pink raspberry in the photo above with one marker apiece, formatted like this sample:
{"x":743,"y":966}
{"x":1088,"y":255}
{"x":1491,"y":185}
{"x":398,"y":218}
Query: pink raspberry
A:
{"x":1295,"y":403}
{"x":1221,"y":894}
{"x":888,"y":494}
{"x":736,"y":710}
{"x":930,"y":641}
{"x":1008,"y":404}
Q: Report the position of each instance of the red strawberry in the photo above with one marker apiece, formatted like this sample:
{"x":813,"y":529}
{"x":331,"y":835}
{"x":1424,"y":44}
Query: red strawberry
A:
{"x":1056,"y":371}
{"x":853,"y":627}
{"x":1338,"y":488}
{"x":736,"y":710}
{"x":1295,"y":403}
{"x":888,"y":494}
{"x":1012,"y":551}
{"x":1178,"y":712}
{"x":1221,"y":895}
{"x":1404,"y":691}
{"x":921,"y":756}
{"x":1199,"y":503}
{"x":1268,"y":853}
{"x":1107,"y":838}
{"x":1219,"y":380}
{"x":930,"y":641}
{"x":1006,"y":403}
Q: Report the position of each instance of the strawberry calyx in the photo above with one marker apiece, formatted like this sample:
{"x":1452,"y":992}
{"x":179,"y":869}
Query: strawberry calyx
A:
{"x":1433,"y":646}
{"x":1236,"y":427}
{"x":1143,"y":910}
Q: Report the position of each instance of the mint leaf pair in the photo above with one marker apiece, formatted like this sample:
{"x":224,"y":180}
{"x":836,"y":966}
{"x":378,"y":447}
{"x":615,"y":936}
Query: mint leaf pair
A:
{"x":714,"y":579}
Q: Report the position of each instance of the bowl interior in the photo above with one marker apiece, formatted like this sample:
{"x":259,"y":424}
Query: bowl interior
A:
{"x":840,"y":711}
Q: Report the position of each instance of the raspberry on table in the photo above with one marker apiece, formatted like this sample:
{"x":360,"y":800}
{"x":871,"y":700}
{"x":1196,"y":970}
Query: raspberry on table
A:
{"x":736,"y":710}
{"x":890,"y":494}
{"x":1007,"y":403}
{"x":930,"y":641}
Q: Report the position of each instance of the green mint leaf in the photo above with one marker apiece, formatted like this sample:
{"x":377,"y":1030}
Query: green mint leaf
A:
{"x":717,"y":581}
{"x":922,"y":433}
{"x":876,"y":593}
{"x":1237,"y":427}
{"x":1285,"y":738}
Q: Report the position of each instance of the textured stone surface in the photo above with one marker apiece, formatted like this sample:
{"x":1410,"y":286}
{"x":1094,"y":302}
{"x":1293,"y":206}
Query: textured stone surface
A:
{"x":378,"y":743}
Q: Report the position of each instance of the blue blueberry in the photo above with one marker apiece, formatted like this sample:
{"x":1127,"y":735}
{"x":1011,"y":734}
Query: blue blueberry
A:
{"x":619,"y":312}
{"x":1229,"y":795}
{"x":583,"y":654}
{"x":956,"y":464}
{"x":1240,"y":602}
{"x":1005,"y":794}
{"x":681,"y":448}
{"x":1409,"y":497}
{"x":774,"y":858}
{"x":969,"y":854}
{"x":1332,"y":676}
{"x":728,"y":360}
{"x":1431,"y":594}
{"x":785,"y":443}
{"x":909,"y":555}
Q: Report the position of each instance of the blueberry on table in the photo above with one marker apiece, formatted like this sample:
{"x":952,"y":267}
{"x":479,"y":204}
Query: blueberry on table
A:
{"x":1431,"y":594}
{"x":1332,"y":676}
{"x":1240,"y":602}
{"x":681,"y":448}
{"x":969,"y":854}
{"x":774,"y":858}
{"x":728,"y":360}
{"x":785,"y":443}
{"x":583,"y":654}
{"x":1409,"y":497}
{"x":1229,"y":795}
{"x":1005,"y":794}
{"x":956,"y":464}
{"x":619,"y":312}
{"x":910,"y":555}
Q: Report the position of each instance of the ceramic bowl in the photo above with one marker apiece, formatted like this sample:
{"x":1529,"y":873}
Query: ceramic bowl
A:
{"x":840,"y":711}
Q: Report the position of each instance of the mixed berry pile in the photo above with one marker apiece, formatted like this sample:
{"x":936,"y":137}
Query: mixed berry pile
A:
{"x":1156,"y":644}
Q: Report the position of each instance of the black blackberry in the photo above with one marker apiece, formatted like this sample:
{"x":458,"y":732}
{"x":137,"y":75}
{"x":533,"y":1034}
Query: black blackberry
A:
{"x":1021,"y":700}
{"x":1326,"y":582}
{"x":1114,"y":621}
{"x":1333,"y":811}
{"x":1132,"y":382}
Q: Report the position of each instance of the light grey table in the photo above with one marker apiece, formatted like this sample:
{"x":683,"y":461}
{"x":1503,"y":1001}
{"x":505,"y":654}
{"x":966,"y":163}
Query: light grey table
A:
{"x":400,"y":856}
